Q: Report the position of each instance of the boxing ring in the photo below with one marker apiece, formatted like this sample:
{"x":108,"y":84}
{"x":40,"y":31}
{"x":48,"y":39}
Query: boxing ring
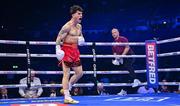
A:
{"x":165,"y":99}
{"x":113,"y":100}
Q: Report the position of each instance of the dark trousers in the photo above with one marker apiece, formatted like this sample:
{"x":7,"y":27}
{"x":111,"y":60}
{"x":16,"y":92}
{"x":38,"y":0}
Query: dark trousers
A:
{"x":128,"y":65}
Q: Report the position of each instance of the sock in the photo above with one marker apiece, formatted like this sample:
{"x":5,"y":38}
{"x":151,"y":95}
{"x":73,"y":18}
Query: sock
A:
{"x":67,"y":95}
{"x":70,"y":86}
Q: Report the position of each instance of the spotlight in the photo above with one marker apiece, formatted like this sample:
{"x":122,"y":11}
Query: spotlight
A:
{"x":164,"y":22}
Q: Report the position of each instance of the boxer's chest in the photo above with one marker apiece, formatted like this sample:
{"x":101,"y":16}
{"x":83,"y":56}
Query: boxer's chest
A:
{"x":75,"y":31}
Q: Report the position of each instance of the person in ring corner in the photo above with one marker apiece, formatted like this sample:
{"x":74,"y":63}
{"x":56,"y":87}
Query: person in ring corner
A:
{"x":124,"y":50}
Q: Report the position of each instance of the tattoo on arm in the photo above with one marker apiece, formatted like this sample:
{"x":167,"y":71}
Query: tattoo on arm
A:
{"x":62,"y":34}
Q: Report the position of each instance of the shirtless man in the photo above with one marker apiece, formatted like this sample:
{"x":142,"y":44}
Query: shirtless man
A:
{"x":68,"y":55}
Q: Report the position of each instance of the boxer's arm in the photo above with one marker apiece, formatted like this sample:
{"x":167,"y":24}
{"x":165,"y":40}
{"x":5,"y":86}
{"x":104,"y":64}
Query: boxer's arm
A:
{"x":62,"y":34}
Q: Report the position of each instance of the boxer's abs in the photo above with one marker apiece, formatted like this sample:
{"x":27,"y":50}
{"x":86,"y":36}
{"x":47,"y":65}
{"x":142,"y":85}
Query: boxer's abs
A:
{"x":72,"y":36}
{"x":71,"y":39}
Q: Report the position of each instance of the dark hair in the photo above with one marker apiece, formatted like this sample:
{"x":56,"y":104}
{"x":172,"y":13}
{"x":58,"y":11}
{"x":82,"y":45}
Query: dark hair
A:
{"x":75,"y":8}
{"x":120,"y":31}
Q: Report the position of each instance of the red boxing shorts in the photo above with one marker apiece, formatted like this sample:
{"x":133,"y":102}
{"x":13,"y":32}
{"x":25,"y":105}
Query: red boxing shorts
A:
{"x":72,"y":55}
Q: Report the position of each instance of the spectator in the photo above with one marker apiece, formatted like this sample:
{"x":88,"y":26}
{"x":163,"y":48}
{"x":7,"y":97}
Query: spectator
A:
{"x":77,"y":91}
{"x":145,"y":90}
{"x":53,"y":92}
{"x":101,"y":90}
{"x":32,"y":92}
{"x":164,"y":88}
{"x":178,"y":91}
{"x":4,"y":93}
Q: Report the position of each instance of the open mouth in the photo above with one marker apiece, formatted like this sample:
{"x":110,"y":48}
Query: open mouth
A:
{"x":80,"y":18}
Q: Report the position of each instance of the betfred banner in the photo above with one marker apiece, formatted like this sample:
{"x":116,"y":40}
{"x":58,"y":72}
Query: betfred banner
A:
{"x":151,"y":64}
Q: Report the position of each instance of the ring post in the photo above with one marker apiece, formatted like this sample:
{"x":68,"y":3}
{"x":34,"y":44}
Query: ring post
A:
{"x":94,"y":67}
{"x":28,"y":65}
{"x":94,"y":60}
{"x":151,"y":64}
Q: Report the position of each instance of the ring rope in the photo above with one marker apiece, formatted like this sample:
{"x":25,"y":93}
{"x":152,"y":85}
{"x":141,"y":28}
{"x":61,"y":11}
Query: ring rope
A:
{"x":169,"y":54}
{"x":88,"y":72}
{"x":85,"y":85}
{"x":100,"y":56}
{"x":53,"y":43}
{"x":87,"y":56}
{"x":168,"y":40}
{"x":87,"y":43}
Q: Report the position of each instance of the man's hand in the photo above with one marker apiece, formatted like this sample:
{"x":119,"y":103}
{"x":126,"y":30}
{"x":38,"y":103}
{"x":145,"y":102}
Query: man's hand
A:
{"x":115,"y":62}
{"x":59,"y":53}
{"x":120,"y":60}
{"x":27,"y":96}
{"x":35,"y":96}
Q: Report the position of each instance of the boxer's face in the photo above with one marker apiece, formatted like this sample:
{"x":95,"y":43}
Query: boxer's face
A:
{"x":115,"y":33}
{"x":78,"y":16}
